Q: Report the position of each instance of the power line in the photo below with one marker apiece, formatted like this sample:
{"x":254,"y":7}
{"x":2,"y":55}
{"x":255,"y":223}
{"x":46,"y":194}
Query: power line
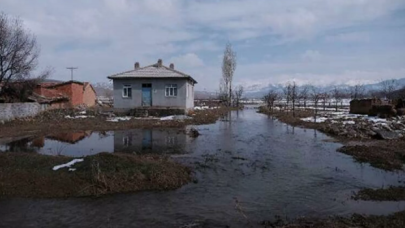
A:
{"x":71,"y":71}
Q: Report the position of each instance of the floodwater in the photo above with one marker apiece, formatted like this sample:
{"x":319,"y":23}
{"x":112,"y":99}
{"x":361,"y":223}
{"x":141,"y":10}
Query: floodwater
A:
{"x":85,"y":143}
{"x":248,"y":168}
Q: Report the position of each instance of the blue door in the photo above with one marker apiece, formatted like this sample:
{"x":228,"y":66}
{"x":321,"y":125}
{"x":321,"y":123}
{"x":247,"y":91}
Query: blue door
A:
{"x":146,"y":94}
{"x":147,"y":139}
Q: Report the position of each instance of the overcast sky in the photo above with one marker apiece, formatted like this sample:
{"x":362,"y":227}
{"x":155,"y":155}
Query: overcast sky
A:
{"x":315,"y":41}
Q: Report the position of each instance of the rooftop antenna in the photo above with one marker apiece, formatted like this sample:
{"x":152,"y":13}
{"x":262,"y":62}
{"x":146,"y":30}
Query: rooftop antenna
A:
{"x":71,"y":71}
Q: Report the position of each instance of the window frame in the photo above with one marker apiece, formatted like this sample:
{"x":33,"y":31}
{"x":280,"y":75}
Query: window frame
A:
{"x":171,"y":90}
{"x":128,"y":89}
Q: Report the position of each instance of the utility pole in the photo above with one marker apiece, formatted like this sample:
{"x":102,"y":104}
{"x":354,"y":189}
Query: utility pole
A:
{"x":71,"y":71}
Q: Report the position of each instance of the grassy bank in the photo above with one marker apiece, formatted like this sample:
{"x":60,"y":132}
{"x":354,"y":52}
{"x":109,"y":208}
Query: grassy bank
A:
{"x":383,"y":154}
{"x":396,"y":220}
{"x":31,"y":175}
{"x":392,"y":193}
{"x":387,"y":155}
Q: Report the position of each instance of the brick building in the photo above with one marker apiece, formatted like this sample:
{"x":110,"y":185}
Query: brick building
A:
{"x":77,"y":93}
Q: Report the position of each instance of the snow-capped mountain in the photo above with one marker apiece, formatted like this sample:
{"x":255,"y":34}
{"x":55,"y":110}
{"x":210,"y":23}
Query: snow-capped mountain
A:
{"x":259,"y":90}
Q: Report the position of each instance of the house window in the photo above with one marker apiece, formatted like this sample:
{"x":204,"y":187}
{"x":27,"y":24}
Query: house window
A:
{"x":171,"y":90}
{"x":127,"y":91}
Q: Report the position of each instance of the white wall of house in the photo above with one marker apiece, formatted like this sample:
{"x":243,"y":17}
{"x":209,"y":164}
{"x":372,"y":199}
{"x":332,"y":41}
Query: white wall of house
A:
{"x":159,"y":99}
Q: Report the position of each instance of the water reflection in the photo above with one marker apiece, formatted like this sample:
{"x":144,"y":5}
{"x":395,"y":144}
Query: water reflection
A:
{"x":86,"y":143}
{"x":150,"y":140}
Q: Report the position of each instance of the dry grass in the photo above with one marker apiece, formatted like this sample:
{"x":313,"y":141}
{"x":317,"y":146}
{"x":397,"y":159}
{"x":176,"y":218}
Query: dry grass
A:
{"x":31,"y":175}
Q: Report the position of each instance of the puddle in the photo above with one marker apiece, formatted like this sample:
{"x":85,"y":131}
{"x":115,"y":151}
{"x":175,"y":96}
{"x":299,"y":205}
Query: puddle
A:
{"x":85,"y":143}
{"x":265,"y":167}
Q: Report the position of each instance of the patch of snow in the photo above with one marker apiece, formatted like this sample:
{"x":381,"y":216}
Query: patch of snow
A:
{"x":176,"y":117}
{"x":317,"y":120}
{"x":117,"y":119}
{"x":349,"y":122}
{"x":72,"y":169}
{"x":204,"y":107}
{"x":77,"y":117}
{"x":74,"y":161}
{"x":82,"y":113}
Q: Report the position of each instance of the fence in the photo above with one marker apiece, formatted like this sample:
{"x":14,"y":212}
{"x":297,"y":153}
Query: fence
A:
{"x":10,"y":111}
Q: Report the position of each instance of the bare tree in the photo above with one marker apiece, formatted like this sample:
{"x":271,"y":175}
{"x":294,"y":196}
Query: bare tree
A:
{"x":315,"y":95}
{"x":337,"y":95}
{"x":325,"y":99}
{"x":223,"y":92}
{"x":238,"y":95}
{"x":287,"y":95}
{"x":387,"y":87}
{"x":357,"y":91}
{"x":228,"y":69}
{"x":18,"y":58}
{"x":270,"y":98}
{"x":294,"y":96}
{"x":304,"y":94}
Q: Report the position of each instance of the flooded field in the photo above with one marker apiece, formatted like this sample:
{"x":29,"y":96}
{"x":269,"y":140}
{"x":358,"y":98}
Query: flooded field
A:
{"x":85,"y":143}
{"x":248,"y":168}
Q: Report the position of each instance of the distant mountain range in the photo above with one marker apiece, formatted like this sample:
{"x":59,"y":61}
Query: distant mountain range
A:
{"x":258,"y":91}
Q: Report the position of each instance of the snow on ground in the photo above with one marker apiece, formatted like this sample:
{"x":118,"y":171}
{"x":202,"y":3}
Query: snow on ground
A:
{"x":204,"y":107}
{"x":117,"y":119}
{"x":74,"y":161}
{"x":78,"y":117}
{"x":317,"y":119}
{"x":346,"y":118}
{"x":176,"y":117}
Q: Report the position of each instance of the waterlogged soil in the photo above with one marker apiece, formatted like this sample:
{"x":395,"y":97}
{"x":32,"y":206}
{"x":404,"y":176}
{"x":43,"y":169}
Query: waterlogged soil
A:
{"x":392,"y":193}
{"x":54,"y":121}
{"x":384,"y":154}
{"x":247,"y":168}
{"x":32,"y":175}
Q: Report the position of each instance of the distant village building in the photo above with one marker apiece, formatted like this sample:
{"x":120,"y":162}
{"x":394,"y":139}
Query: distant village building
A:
{"x":153,"y":87}
{"x":363,"y":106}
{"x":66,"y":94}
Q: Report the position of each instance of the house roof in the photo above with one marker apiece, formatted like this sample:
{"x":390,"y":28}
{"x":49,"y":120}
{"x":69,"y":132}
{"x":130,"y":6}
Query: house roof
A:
{"x":63,"y":83}
{"x":152,"y":71}
{"x":86,"y":84}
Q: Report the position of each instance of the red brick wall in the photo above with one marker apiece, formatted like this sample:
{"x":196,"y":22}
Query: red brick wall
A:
{"x":89,"y":96}
{"x":73,"y":91}
{"x":77,"y":94}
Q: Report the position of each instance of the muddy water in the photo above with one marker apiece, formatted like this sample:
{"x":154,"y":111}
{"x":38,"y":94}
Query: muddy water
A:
{"x":248,"y":168}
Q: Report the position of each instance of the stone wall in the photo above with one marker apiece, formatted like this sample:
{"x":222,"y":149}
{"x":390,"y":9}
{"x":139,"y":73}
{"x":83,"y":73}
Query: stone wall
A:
{"x":10,"y":111}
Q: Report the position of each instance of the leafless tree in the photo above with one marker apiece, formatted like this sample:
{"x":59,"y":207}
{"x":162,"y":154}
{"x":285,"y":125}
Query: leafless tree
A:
{"x":287,"y":95}
{"x":357,"y":91}
{"x":238,"y":95}
{"x":315,"y":96}
{"x":223,"y":92}
{"x":325,"y":98}
{"x":337,"y":96}
{"x":228,"y":69}
{"x":18,"y":57}
{"x":304,"y":94}
{"x":270,"y":98}
{"x":294,"y":96}
{"x":387,"y":87}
